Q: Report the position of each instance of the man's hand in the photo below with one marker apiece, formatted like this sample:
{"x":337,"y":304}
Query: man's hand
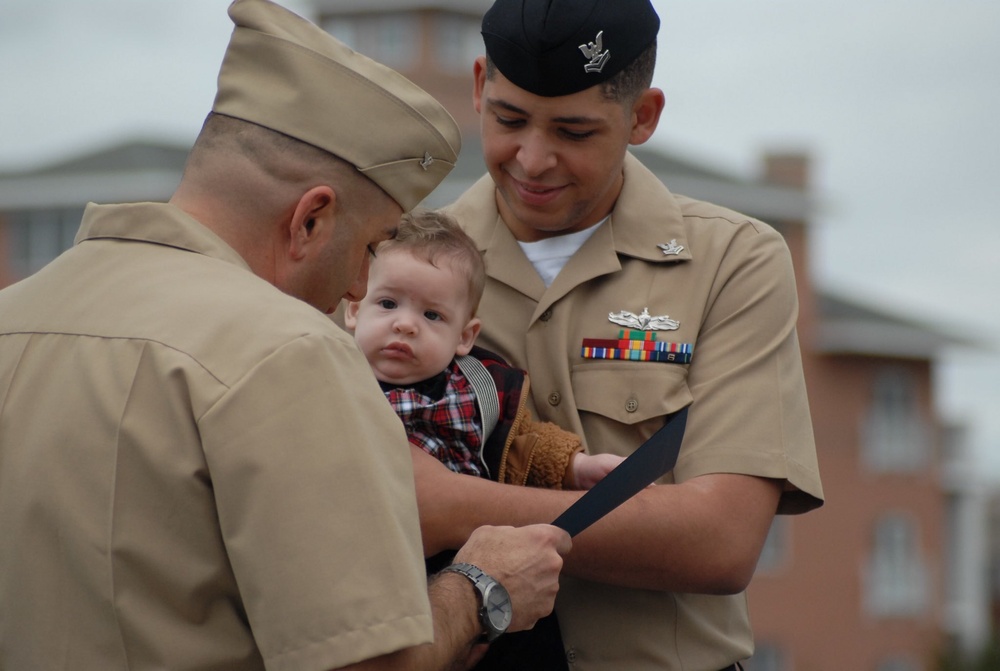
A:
{"x":526,"y":561}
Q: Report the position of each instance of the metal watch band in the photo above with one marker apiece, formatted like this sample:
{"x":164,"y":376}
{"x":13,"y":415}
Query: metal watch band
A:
{"x":481,"y":581}
{"x":470,"y":571}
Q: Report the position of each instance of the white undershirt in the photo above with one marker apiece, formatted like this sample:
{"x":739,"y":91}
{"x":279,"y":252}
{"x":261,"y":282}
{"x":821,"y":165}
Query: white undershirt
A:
{"x":549,"y":255}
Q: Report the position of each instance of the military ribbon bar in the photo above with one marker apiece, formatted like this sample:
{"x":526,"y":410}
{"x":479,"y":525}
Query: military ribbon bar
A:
{"x":637,"y":350}
{"x":631,"y":334}
{"x":659,"y":346}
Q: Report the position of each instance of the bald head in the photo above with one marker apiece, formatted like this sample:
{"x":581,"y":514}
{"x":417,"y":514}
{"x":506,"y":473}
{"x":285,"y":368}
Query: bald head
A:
{"x":263,"y":193}
{"x":239,"y":172}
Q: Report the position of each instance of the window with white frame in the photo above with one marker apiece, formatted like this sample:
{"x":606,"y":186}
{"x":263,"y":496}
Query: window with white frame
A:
{"x":396,"y":40}
{"x":894,"y":435}
{"x":774,"y":554}
{"x":35,"y":237}
{"x":343,"y":28}
{"x":457,"y":42}
{"x":900,"y":664}
{"x":896,"y":580}
{"x":390,"y":39}
{"x":767,"y":657}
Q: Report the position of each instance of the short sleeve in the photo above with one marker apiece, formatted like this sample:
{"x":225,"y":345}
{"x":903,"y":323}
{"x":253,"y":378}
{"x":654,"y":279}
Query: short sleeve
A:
{"x":750,"y":411}
{"x":314,"y":487}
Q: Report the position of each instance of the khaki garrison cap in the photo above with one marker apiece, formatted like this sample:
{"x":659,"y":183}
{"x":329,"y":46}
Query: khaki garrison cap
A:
{"x":285,"y":73}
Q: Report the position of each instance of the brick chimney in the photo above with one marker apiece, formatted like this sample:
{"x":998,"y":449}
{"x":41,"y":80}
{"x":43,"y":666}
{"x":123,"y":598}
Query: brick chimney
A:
{"x":787,"y":169}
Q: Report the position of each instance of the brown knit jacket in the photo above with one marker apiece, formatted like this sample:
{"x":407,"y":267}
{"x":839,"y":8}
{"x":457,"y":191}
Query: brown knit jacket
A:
{"x":538,"y":454}
{"x":520,"y":450}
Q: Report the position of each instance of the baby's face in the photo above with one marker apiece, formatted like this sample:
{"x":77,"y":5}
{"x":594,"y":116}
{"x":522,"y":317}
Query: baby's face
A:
{"x":414,"y":318}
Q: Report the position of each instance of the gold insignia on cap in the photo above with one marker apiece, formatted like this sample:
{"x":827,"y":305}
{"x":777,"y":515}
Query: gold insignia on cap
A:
{"x":596,"y":53}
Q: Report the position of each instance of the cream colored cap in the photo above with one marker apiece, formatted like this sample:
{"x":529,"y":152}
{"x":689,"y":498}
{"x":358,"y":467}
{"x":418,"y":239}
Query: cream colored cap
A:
{"x":285,"y":73}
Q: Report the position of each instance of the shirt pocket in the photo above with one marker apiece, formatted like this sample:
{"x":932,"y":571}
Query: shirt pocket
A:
{"x":630,"y":393}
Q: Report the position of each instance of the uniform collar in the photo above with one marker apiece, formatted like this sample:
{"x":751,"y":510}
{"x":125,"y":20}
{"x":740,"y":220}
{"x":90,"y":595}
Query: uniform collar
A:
{"x":476,"y":210}
{"x":645,"y":216}
{"x":157,"y":223}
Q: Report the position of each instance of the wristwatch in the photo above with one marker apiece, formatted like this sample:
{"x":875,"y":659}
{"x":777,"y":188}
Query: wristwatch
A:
{"x":496,"y":611}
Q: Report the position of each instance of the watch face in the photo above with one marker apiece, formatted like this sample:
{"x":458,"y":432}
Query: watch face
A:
{"x":496,"y":602}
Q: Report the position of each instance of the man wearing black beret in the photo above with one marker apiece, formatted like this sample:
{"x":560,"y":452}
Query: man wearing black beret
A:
{"x":598,"y":276}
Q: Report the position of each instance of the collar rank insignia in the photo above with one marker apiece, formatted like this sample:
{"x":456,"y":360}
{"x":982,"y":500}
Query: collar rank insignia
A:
{"x":596,"y":52}
{"x":643,"y":321}
{"x":428,"y":159}
{"x":671,"y":248}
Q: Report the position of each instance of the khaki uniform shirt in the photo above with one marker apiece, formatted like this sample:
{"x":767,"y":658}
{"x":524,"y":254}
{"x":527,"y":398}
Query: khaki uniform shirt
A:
{"x":732,"y":289}
{"x":196,"y":470}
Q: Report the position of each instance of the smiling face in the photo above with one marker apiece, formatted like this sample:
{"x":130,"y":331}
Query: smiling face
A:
{"x":415,"y":318}
{"x":557,"y":162}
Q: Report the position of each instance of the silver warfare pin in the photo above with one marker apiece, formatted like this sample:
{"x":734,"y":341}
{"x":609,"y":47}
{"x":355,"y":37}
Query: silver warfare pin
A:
{"x":643,"y":321}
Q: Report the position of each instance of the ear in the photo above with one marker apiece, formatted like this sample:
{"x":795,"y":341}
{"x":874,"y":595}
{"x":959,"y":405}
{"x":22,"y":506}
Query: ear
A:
{"x":469,"y":335}
{"x":351,"y":315}
{"x":478,"y":82}
{"x":312,"y":221}
{"x":646,"y":115}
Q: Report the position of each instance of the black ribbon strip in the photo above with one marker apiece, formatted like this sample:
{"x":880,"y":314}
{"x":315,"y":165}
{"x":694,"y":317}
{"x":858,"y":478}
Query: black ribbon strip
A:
{"x":652,"y":460}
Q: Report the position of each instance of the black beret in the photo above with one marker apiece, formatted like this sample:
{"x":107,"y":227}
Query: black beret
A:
{"x":559,"y":47}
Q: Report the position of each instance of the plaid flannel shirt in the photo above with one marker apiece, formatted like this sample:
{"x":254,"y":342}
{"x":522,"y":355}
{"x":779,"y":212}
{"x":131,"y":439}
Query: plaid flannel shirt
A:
{"x":447,"y":428}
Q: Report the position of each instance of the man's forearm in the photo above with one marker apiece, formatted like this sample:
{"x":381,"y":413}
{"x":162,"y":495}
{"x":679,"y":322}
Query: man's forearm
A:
{"x":452,"y":506}
{"x":700,"y":536}
{"x":456,"y":629}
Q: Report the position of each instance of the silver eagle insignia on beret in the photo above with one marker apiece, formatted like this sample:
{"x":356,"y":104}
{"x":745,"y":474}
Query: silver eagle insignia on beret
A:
{"x":596,"y":53}
{"x":643,"y":321}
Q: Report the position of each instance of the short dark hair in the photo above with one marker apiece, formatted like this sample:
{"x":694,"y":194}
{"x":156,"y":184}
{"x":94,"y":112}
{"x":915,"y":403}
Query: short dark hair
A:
{"x":626,"y":86}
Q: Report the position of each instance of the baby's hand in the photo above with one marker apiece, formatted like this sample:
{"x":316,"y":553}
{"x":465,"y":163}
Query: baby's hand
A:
{"x":589,"y":469}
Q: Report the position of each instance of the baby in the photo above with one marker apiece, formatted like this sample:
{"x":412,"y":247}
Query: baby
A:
{"x":417,"y":326}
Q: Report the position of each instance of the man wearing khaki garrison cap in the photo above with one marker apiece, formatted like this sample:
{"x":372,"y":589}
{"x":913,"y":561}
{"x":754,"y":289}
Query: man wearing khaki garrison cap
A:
{"x":197,"y":467}
{"x":626,"y":303}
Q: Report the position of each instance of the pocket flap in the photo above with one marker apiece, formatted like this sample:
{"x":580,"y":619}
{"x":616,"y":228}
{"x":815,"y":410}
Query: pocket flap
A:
{"x":630,"y":392}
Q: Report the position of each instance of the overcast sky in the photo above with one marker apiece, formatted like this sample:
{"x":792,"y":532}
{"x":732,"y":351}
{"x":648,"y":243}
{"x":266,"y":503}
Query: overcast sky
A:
{"x":897,"y":102}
